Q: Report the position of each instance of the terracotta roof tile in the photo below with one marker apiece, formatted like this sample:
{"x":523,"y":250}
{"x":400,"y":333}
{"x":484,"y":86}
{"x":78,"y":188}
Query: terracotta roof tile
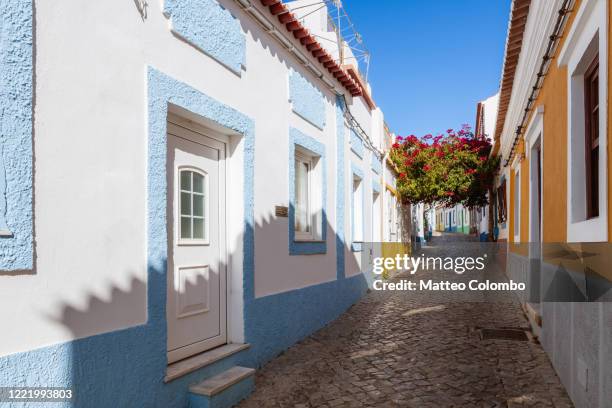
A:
{"x":514,"y":41}
{"x":279,"y":9}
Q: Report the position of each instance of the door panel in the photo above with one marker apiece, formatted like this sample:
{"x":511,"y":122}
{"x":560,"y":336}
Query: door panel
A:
{"x":196,"y":289}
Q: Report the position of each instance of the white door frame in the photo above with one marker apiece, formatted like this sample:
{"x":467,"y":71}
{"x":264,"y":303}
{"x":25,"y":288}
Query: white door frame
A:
{"x":214,"y":135}
{"x":534,"y":139}
{"x":534,"y":144}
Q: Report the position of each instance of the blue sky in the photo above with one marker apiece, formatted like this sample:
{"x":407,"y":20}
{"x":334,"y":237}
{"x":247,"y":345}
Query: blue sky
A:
{"x":432,"y":61}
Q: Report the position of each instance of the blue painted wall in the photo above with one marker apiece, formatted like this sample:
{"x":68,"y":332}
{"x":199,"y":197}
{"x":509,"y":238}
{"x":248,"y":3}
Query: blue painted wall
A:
{"x":376,"y":164}
{"x":297,"y":138}
{"x":307,"y":100}
{"x":276,"y":322}
{"x":340,"y":186}
{"x":357,"y":144}
{"x":209,"y":27}
{"x":376,"y":186}
{"x":16,"y":98}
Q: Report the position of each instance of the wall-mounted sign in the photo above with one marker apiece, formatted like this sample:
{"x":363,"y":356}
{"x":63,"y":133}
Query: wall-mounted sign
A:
{"x":281,"y":211}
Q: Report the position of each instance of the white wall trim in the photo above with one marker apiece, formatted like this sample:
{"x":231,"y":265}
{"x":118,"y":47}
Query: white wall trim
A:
{"x":534,"y":128}
{"x":591,"y":22}
{"x":580,"y":21}
{"x":516,"y":210}
{"x":534,"y":135}
{"x":540,"y":24}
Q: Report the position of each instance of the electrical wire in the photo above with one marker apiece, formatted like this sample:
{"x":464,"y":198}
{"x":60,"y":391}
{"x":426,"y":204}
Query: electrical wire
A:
{"x":309,"y":13}
{"x":355,"y":126}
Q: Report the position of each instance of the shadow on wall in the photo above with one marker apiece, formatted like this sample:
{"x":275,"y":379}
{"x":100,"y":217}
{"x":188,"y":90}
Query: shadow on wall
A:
{"x":276,"y":50}
{"x":126,"y":368}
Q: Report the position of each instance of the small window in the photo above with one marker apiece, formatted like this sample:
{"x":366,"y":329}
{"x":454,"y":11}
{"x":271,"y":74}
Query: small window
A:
{"x":591,"y":116}
{"x":308,"y":203}
{"x":193,"y":207}
{"x":303,"y":218}
{"x":357,"y":209}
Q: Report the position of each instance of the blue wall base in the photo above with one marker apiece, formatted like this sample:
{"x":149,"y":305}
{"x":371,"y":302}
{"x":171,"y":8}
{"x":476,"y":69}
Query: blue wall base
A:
{"x":276,"y":322}
{"x":89,"y":366}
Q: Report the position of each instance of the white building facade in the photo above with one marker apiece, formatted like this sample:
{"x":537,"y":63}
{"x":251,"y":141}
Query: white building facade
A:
{"x":486,"y":118}
{"x":179,"y":178}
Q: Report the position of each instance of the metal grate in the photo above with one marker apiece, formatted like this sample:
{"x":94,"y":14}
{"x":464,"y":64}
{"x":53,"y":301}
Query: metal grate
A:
{"x":504,"y":334}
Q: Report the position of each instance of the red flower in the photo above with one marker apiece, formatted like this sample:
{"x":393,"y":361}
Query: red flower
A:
{"x":470,"y":171}
{"x":399,"y":138}
{"x":402,"y":175}
{"x":426,"y":167}
{"x":395,"y":145}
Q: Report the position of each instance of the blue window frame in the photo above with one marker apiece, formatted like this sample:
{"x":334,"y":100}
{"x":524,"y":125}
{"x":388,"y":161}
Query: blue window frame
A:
{"x":16,"y":67}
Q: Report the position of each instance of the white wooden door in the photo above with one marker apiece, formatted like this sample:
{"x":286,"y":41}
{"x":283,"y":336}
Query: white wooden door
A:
{"x":196,"y":296}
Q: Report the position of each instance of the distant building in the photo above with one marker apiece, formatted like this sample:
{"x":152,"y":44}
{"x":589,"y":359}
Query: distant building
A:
{"x":482,"y":223}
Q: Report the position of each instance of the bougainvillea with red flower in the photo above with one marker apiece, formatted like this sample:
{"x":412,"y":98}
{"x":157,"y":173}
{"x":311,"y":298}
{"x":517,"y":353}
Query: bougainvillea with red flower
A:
{"x":449,"y":168}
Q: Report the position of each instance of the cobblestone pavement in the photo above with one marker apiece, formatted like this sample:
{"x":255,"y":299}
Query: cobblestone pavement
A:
{"x":392,"y":350}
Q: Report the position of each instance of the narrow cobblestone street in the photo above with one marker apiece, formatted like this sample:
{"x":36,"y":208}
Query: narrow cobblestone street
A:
{"x":392,"y":350}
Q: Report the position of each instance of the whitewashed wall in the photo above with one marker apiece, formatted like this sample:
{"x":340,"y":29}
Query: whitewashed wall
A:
{"x":90,"y":165}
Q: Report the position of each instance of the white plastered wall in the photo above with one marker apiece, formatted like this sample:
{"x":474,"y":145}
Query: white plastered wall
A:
{"x":90,"y":139}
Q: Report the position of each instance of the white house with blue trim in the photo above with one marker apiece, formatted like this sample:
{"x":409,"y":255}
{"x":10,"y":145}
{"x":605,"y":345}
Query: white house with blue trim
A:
{"x":185,"y":187}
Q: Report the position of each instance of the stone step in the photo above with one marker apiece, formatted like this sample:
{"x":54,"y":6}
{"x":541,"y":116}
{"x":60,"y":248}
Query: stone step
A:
{"x":193,"y":363}
{"x":224,"y":390}
{"x":534,"y":315}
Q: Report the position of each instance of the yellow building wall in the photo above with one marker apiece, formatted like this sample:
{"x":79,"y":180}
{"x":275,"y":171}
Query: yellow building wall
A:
{"x":554,"y":163}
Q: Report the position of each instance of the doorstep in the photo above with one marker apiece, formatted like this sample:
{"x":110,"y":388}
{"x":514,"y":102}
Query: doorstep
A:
{"x":193,"y":363}
{"x":534,"y":315}
{"x":223,"y":390}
